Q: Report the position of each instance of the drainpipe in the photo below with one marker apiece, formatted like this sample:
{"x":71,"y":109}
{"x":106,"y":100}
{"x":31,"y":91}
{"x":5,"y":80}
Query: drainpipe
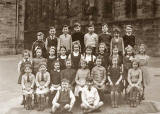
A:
{"x":17,"y":25}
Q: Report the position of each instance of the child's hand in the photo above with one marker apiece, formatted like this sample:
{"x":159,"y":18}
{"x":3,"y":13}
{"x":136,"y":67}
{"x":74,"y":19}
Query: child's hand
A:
{"x":111,"y":83}
{"x":67,"y":106}
{"x":57,"y":105}
{"x":117,"y":83}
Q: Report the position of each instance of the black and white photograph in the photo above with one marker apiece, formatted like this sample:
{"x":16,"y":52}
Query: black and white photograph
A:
{"x":79,"y":56}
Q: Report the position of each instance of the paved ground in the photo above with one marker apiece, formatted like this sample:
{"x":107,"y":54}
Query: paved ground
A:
{"x":10,"y":91}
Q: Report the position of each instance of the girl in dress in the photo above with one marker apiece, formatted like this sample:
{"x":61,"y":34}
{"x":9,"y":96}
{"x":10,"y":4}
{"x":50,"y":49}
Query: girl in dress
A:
{"x":81,"y":76}
{"x":63,"y":57}
{"x":127,"y":62}
{"x":135,"y":81}
{"x":75,"y":56}
{"x":42,"y":83}
{"x":28,"y":81}
{"x":52,"y":57}
{"x":89,"y":57}
{"x":117,"y":41}
{"x":143,"y":60}
{"x":37,"y":60}
{"x":115,"y":82}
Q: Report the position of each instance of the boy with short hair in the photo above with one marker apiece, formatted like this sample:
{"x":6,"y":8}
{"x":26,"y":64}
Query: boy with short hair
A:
{"x":105,"y":36}
{"x":78,"y":35}
{"x":39,"y":43}
{"x":90,"y":97}
{"x":51,"y":40}
{"x":64,"y":100}
{"x":65,"y":39}
{"x":91,"y":38}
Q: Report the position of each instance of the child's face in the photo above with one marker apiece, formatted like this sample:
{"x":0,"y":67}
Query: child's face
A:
{"x":101,"y":48}
{"x":77,"y":28}
{"x":28,"y":70}
{"x":26,"y":55}
{"x":65,"y":30}
{"x":76,"y":48}
{"x":115,"y":51}
{"x":129,"y":52}
{"x":40,"y":37}
{"x":116,"y":34}
{"x":114,"y":61}
{"x":88,"y":51}
{"x":98,"y":62}
{"x":39,"y":53}
{"x":135,"y":65}
{"x":52,"y":52}
{"x":83,"y":64}
{"x":142,"y":49}
{"x":52,"y":32}
{"x":89,"y":84}
{"x":63,"y":51}
{"x":129,"y":31}
{"x":43,"y":68}
{"x":68,"y":64}
{"x":64,"y":85}
{"x":90,"y":29}
{"x":57,"y":66}
{"x":104,"y":28}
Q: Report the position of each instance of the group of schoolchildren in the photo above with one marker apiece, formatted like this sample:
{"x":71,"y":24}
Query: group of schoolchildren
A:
{"x":84,"y":68}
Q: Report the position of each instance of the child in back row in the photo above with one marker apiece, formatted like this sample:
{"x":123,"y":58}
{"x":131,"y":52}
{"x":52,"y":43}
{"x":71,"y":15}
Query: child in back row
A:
{"x":65,"y":40}
{"x":91,"y":39}
{"x":39,"y":43}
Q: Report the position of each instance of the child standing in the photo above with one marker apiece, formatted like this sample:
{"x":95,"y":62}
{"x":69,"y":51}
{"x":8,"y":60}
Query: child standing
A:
{"x":69,"y":73}
{"x":127,"y":63}
{"x":117,"y":41}
{"x":129,"y":38}
{"x":91,"y":38}
{"x":89,"y":57}
{"x":65,"y":39}
{"x":64,"y":100}
{"x":55,"y":80}
{"x":39,"y":43}
{"x":143,"y":60}
{"x":114,"y":78}
{"x":81,"y":77}
{"x":78,"y":36}
{"x":99,"y":77}
{"x":37,"y":60}
{"x":51,"y":40}
{"x":134,"y":80}
{"x":75,"y":56}
{"x":105,"y":36}
{"x":90,"y":97}
{"x":51,"y":58}
{"x":42,"y":83}
{"x":26,"y":60}
{"x":63,"y":57}
{"x":28,"y":81}
{"x":103,"y":52}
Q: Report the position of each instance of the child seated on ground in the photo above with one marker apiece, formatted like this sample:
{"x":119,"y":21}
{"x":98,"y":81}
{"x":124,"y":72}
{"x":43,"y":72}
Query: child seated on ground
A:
{"x":114,"y":78}
{"x":98,"y":74}
{"x":42,"y":83}
{"x":81,"y":76}
{"x":55,"y":81}
{"x":64,"y":99}
{"x":90,"y":97}
{"x":135,"y":81}
{"x":28,"y":81}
